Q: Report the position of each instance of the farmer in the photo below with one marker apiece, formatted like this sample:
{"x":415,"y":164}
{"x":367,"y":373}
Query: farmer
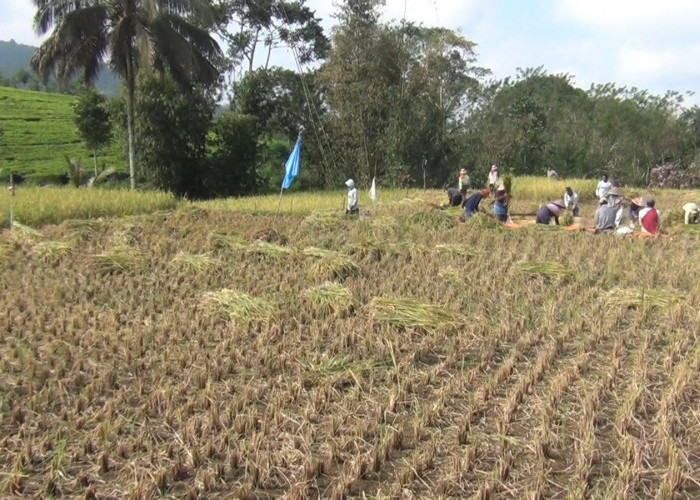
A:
{"x":353,"y":203}
{"x":571,"y":201}
{"x":691,"y":213}
{"x":605,"y":217}
{"x":615,"y":201}
{"x":650,"y":218}
{"x":455,"y":196}
{"x":549,"y":211}
{"x":500,"y":207}
{"x":463,"y":180}
{"x":603,"y":188}
{"x":551,"y":173}
{"x":471,"y":204}
{"x":635,"y":206}
{"x":493,"y":178}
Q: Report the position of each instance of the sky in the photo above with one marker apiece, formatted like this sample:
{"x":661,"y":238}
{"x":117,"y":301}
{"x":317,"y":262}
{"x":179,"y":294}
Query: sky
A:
{"x":645,"y":44}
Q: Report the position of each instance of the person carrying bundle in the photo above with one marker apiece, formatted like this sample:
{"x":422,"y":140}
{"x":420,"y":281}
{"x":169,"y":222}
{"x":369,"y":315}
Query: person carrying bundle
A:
{"x":549,"y":211}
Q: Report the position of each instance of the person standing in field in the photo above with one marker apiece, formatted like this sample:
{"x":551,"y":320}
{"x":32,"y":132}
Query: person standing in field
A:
{"x":603,"y":188}
{"x":571,"y":201}
{"x":353,"y":206}
{"x":548,"y":212}
{"x":493,"y":178}
{"x":604,"y":217}
{"x":691,"y":213}
{"x":650,"y":218}
{"x":635,"y":206}
{"x":471,"y":204}
{"x":463,"y":181}
{"x":455,"y":197}
{"x":500,"y":207}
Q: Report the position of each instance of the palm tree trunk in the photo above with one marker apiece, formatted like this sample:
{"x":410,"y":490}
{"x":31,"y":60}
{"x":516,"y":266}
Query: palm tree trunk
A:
{"x":130,"y":87}
{"x":94,"y":158}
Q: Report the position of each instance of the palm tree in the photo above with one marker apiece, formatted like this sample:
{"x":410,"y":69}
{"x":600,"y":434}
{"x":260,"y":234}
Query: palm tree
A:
{"x":126,"y":34}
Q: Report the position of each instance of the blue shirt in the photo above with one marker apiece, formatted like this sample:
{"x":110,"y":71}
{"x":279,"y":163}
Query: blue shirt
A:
{"x":471,"y":204}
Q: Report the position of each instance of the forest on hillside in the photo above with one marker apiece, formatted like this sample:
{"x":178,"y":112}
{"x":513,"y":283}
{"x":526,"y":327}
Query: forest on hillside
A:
{"x":405,"y":103}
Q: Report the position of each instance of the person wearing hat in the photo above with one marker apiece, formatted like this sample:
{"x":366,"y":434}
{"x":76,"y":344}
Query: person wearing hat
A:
{"x":615,"y":201}
{"x":691,"y":213}
{"x":500,"y":206}
{"x":463,"y":180}
{"x":353,"y":202}
{"x":571,"y":201}
{"x":635,"y":206}
{"x":604,"y":217}
{"x":493,"y":178}
{"x":650,"y":218}
{"x":471,"y":204}
{"x":549,"y":211}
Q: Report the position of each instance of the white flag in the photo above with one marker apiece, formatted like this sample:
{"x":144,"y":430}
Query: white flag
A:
{"x":373,"y":190}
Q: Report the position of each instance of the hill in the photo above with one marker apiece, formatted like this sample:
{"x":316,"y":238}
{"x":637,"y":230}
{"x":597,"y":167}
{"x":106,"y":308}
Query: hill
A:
{"x":38,"y":132}
{"x":15,"y":57}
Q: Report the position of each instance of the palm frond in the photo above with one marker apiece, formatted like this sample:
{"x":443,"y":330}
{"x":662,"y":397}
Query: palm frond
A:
{"x":51,"y":12}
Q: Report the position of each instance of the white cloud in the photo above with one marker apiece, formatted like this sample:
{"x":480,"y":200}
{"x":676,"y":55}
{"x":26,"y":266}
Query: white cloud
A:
{"x":16,"y":22}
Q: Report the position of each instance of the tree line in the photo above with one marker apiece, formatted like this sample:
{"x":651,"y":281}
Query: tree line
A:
{"x":405,"y":103}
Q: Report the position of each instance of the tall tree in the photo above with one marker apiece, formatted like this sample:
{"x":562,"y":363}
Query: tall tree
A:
{"x":163,"y":34}
{"x":93,"y":122}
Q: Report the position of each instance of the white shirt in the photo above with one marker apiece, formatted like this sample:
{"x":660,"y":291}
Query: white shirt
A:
{"x":571,"y":201}
{"x":493,"y":177}
{"x":603,"y":188}
{"x":690,"y":209}
{"x":352,"y":198}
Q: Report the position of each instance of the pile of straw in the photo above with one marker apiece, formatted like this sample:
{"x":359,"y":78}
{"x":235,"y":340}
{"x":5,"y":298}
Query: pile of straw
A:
{"x":330,"y":298}
{"x":411,"y":314}
{"x":549,"y":270}
{"x":239,"y":306}
{"x":330,"y":264}
{"x":645,"y":297}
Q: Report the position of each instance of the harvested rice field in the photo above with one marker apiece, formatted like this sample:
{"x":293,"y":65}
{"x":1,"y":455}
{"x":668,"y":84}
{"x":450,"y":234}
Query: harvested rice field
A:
{"x":203,"y":353}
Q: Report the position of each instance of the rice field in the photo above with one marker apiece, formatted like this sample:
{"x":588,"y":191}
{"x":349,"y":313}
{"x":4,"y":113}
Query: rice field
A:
{"x":211,"y":353}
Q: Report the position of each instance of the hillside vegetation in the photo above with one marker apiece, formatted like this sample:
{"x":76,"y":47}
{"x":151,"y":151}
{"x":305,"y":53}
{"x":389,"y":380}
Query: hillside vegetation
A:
{"x":38,"y":132}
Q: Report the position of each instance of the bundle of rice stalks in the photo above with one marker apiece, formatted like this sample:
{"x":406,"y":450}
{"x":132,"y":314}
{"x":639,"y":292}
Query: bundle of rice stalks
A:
{"x":271,"y":250}
{"x":52,"y":250}
{"x":323,"y":221}
{"x":407,"y":249}
{"x":271,"y":235}
{"x":454,"y":250}
{"x":433,"y":219}
{"x":649,"y":297}
{"x":330,"y":298}
{"x":227,"y":241}
{"x":366,"y":247}
{"x":549,"y":270}
{"x":239,"y":306}
{"x":330,"y":264}
{"x":566,"y":219}
{"x":484,"y":221}
{"x":409,"y":313}
{"x":195,"y":262}
{"x":118,"y":259}
{"x":22,"y":234}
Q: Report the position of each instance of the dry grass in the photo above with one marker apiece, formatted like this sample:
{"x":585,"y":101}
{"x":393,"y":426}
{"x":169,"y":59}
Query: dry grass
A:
{"x":214,"y":360}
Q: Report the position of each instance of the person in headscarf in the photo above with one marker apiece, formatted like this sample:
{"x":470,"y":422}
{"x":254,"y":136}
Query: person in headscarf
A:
{"x":603,"y":187}
{"x":571,"y":200}
{"x":500,"y":206}
{"x":463,"y":181}
{"x":549,"y":211}
{"x":493,"y":178}
{"x":353,"y":206}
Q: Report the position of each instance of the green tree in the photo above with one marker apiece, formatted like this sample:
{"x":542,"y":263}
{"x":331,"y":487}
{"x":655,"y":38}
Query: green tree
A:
{"x":171,"y":129}
{"x":233,"y":156}
{"x":93,"y":121}
{"x":271,"y":23}
{"x":161,"y":33}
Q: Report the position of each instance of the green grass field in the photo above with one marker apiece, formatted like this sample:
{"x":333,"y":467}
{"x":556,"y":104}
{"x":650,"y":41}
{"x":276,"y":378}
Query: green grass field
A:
{"x":38,"y":132}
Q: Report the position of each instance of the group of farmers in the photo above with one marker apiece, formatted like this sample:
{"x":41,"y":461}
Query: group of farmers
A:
{"x":608,"y":217}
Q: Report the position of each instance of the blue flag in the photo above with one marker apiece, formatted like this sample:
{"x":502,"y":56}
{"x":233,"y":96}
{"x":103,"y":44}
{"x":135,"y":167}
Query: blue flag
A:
{"x":291,"y":168}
